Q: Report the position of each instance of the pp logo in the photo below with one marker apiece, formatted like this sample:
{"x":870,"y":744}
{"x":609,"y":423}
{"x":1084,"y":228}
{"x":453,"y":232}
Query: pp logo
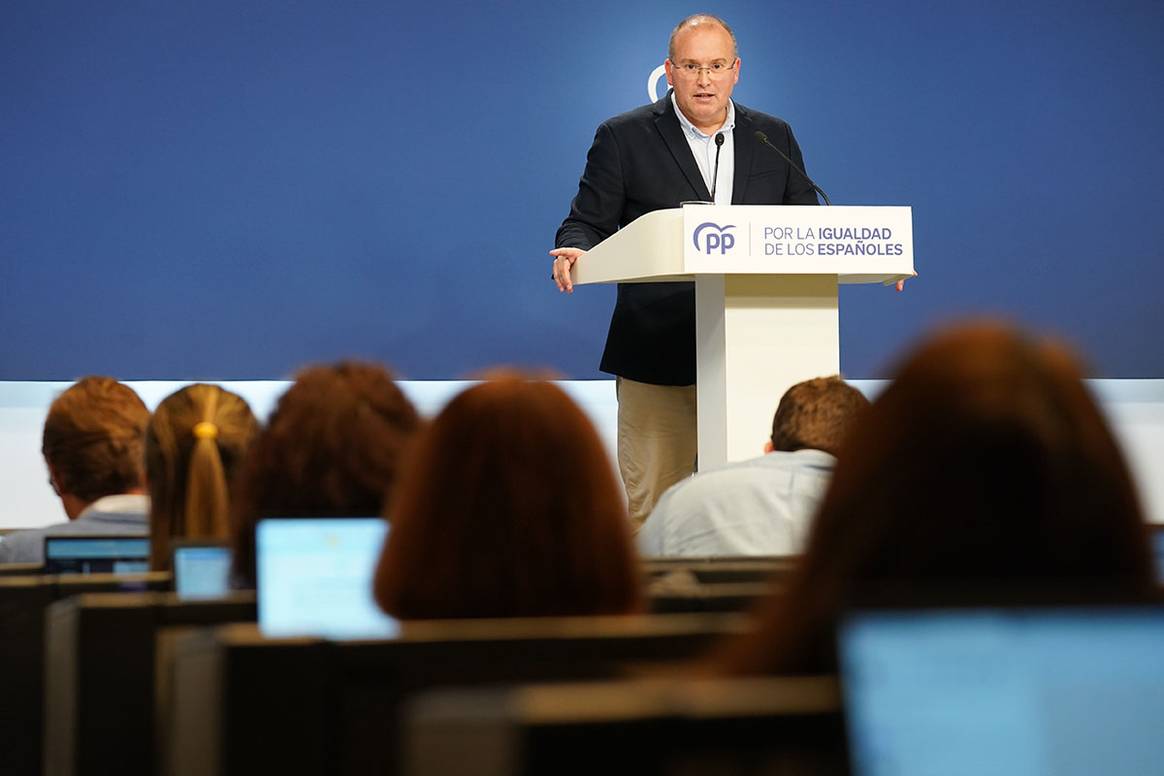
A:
{"x":653,"y":83}
{"x":715,"y":238}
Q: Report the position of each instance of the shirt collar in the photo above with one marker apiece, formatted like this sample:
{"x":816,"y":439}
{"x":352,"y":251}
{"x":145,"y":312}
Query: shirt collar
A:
{"x":690,"y":129}
{"x":121,"y":504}
{"x":806,"y":456}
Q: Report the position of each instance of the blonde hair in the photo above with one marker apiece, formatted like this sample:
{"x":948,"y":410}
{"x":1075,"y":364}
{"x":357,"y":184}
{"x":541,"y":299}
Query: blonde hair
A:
{"x":194,"y":441}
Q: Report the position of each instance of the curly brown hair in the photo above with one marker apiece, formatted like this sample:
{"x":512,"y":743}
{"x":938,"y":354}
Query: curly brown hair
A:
{"x":332,"y":447}
{"x":816,"y":414}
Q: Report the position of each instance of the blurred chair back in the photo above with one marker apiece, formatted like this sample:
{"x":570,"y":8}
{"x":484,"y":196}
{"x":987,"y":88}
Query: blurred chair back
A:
{"x":101,"y":679}
{"x":648,"y":728}
{"x":21,"y":569}
{"x":243,"y":704}
{"x":715,"y":570}
{"x":716,"y":598}
{"x":23,"y":602}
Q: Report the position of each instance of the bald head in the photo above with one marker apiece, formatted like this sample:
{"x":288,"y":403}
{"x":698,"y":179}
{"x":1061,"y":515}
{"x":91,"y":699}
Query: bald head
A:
{"x":696,"y":21}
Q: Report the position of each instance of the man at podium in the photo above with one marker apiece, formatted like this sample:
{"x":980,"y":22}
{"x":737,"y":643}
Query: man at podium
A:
{"x":695,"y":144}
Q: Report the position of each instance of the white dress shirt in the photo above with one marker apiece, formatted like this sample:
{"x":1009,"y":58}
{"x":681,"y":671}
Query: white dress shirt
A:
{"x":111,"y":515}
{"x":703,"y":149}
{"x":763,"y":506}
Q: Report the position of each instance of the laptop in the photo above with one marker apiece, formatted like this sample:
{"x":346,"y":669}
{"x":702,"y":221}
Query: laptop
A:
{"x":96,"y":554}
{"x":314,"y":577}
{"x":201,"y":569}
{"x":1157,"y":535}
{"x":1010,"y":692}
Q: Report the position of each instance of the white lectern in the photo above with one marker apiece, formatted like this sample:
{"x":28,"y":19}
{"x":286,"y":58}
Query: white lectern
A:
{"x":766,"y":297}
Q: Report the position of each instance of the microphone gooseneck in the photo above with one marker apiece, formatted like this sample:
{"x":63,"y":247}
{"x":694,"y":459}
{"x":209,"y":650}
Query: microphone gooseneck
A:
{"x":715,"y":174}
{"x":763,"y":138}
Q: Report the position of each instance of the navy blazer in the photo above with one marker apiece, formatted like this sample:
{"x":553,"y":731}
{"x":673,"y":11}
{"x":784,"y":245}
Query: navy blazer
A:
{"x":640,"y":161}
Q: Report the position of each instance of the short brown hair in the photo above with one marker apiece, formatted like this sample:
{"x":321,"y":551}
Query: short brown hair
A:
{"x":332,"y":447}
{"x":510,"y":508}
{"x":93,"y":439}
{"x":196,"y":438}
{"x":816,"y":414}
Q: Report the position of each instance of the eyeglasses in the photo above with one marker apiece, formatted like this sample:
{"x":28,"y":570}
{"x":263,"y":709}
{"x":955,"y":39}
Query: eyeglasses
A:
{"x":716,"y":69}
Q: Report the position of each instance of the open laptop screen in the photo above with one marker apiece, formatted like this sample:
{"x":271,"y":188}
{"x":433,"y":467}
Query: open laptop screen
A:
{"x":1059,"y":691}
{"x":1157,"y":535}
{"x":314,"y":577}
{"x":201,"y":570}
{"x":96,"y":554}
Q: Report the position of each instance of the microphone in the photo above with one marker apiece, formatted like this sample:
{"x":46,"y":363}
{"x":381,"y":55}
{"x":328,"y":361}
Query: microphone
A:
{"x":764,"y":139}
{"x":715,"y":175}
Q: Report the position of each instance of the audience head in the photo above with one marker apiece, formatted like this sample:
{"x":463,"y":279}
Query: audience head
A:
{"x":332,"y":448}
{"x":92,"y":442}
{"x":985,"y":465}
{"x":510,"y":508}
{"x":195,"y":440}
{"x":815,"y":415}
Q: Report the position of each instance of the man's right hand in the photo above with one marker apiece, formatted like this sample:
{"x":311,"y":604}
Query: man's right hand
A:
{"x":564,"y":259}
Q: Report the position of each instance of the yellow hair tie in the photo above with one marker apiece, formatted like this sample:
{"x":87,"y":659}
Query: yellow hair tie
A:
{"x":205,"y":430}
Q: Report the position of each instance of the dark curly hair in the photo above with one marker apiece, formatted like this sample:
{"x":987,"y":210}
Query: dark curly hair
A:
{"x":332,"y":447}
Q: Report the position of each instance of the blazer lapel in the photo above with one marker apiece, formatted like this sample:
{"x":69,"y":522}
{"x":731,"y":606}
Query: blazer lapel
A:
{"x":668,"y":125}
{"x":745,"y":144}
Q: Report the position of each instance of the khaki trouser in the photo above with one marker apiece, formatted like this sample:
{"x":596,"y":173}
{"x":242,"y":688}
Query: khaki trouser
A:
{"x":657,"y":441}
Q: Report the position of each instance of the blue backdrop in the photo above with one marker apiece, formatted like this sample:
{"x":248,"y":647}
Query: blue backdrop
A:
{"x":229,"y":190}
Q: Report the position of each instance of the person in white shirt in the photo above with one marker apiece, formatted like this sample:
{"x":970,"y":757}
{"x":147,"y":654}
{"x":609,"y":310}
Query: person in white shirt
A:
{"x":93,"y":446}
{"x":762,"y":506}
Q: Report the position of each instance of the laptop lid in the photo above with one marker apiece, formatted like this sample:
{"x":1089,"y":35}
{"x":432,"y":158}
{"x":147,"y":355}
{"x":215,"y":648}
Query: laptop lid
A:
{"x":1061,"y":691}
{"x":1157,"y":535}
{"x":201,"y":569}
{"x":96,"y":554}
{"x":314,"y":577}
